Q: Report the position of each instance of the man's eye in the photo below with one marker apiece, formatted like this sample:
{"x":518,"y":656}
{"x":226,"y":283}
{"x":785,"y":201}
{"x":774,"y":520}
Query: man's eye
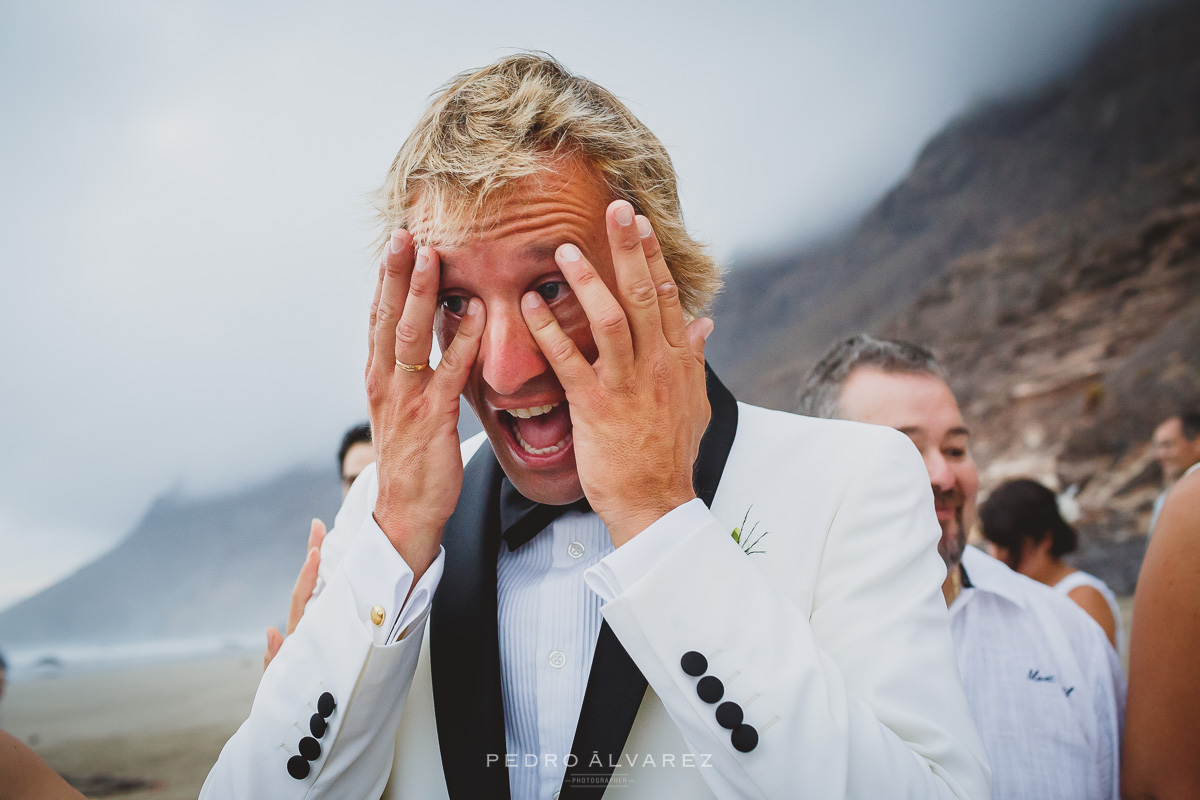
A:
{"x":552,"y":290}
{"x":455,"y":304}
{"x":955,"y":452}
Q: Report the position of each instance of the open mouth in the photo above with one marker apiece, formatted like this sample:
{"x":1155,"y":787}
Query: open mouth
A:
{"x":539,"y":433}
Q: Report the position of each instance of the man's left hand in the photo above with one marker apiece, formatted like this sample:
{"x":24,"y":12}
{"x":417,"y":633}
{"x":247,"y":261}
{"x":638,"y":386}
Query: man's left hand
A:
{"x":638,"y":413}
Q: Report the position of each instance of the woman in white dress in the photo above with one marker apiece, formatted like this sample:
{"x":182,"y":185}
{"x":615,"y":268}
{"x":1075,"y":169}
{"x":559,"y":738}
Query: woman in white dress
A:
{"x":1025,"y":530}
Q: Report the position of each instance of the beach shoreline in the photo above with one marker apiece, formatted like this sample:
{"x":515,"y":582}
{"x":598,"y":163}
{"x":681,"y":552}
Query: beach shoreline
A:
{"x":161,"y":724}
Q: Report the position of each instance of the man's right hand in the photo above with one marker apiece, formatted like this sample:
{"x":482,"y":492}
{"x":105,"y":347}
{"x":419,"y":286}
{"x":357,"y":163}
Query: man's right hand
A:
{"x":414,"y":411}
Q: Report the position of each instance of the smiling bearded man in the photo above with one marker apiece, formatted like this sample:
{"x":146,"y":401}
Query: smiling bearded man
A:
{"x":1043,"y":684}
{"x":573,"y":608}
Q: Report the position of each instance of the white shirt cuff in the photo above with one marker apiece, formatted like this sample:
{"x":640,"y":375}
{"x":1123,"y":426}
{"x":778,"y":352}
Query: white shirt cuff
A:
{"x":380,"y":580}
{"x":624,"y":566}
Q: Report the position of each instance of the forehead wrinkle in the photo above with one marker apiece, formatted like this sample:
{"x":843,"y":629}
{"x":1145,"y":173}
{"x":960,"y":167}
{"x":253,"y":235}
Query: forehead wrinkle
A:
{"x":570,"y":187}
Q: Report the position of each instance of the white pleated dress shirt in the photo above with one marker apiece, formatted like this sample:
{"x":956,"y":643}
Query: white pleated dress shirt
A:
{"x":1043,"y":684}
{"x":549,"y":593}
{"x":549,"y":620}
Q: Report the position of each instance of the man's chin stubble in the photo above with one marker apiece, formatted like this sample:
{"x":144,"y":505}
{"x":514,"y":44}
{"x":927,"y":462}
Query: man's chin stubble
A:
{"x":950,"y":548}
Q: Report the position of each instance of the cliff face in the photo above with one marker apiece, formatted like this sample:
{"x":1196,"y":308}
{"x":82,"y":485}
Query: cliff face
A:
{"x":1048,"y":248}
{"x":1069,"y":339}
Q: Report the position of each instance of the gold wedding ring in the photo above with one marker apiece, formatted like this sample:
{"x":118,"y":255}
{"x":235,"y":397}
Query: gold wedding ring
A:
{"x":411,"y":367}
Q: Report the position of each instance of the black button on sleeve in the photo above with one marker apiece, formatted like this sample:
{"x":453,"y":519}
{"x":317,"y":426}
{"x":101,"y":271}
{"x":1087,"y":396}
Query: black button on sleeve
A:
{"x":298,"y":767}
{"x":316,"y":724}
{"x":310,"y":748}
{"x":729,"y":715}
{"x":744,"y":738}
{"x":326,"y":705}
{"x":710,"y":689}
{"x":694,"y":664}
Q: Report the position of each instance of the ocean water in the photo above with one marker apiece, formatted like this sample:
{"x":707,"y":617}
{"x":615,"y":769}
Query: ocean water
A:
{"x":50,"y":661}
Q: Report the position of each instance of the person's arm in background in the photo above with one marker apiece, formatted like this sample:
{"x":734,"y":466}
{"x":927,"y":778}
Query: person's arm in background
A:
{"x":1091,"y":601}
{"x":24,"y":776}
{"x":1162,"y":723}
{"x":302,"y":591}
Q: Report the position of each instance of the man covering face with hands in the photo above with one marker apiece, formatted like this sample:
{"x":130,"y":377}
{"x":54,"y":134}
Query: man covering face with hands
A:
{"x":569,"y":601}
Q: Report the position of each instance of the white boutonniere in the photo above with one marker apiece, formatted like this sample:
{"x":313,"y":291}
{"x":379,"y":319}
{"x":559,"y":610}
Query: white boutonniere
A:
{"x":747,"y":539}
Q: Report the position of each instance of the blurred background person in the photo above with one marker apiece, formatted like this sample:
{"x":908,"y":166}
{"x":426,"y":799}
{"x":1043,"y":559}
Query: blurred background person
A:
{"x":355,"y":453}
{"x":1024,"y":528}
{"x":1162,"y":734}
{"x":1176,"y":444}
{"x":1044,"y":687}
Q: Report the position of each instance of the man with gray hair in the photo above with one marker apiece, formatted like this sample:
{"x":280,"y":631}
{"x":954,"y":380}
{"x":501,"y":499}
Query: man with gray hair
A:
{"x":1044,"y":686}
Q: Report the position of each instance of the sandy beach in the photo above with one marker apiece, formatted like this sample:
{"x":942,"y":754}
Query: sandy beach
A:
{"x":161,"y":724}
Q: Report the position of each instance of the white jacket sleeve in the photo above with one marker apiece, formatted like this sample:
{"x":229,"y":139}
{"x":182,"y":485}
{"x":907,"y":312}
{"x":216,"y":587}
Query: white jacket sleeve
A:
{"x":365,"y":661}
{"x":859,"y":698}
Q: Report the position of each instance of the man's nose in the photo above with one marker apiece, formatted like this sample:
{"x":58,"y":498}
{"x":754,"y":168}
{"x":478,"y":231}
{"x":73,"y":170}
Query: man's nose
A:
{"x":510,"y":356}
{"x":940,"y":475}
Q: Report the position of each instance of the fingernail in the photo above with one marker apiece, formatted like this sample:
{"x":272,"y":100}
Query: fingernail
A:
{"x":709,"y":326}
{"x":624,"y":214}
{"x":644,"y":229}
{"x":532,"y":298}
{"x":394,"y":244}
{"x":422,"y":259}
{"x":474,"y":306}
{"x":569,"y":253}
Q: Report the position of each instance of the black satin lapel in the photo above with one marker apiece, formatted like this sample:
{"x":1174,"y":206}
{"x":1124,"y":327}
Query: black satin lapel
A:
{"x":615,"y":685}
{"x":717,"y":440}
{"x":611,"y":701}
{"x":464,"y":645}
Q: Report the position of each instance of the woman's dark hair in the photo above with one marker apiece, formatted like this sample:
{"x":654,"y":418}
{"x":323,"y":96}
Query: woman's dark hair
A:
{"x":1024,"y":509}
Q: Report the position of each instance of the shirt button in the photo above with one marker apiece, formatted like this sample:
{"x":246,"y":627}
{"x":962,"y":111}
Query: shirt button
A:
{"x":377,"y":615}
{"x":575,"y":550}
{"x":557,"y":659}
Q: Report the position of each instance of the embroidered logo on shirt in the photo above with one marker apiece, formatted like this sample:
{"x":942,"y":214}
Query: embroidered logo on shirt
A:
{"x":1036,"y":676}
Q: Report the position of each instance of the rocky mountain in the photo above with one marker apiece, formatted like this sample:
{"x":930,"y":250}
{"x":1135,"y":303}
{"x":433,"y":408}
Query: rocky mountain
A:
{"x":1048,"y":248}
{"x":193,"y":567}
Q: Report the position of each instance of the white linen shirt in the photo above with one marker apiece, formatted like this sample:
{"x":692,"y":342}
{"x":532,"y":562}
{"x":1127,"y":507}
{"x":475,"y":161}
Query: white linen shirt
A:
{"x":1043,"y":684}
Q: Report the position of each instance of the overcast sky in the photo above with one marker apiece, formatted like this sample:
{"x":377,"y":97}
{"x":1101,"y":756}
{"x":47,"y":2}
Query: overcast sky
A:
{"x":184,"y":190}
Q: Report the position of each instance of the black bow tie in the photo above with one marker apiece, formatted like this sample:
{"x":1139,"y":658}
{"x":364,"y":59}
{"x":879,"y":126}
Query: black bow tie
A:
{"x":521,"y":518}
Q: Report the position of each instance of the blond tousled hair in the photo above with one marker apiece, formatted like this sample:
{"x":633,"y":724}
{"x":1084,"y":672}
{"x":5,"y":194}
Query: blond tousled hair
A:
{"x":520,"y":117}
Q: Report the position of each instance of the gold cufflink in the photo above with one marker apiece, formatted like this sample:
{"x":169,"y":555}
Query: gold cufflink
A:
{"x":377,"y":615}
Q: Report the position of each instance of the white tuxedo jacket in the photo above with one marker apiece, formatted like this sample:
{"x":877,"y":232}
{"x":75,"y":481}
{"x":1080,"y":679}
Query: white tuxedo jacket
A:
{"x":835,"y":643}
